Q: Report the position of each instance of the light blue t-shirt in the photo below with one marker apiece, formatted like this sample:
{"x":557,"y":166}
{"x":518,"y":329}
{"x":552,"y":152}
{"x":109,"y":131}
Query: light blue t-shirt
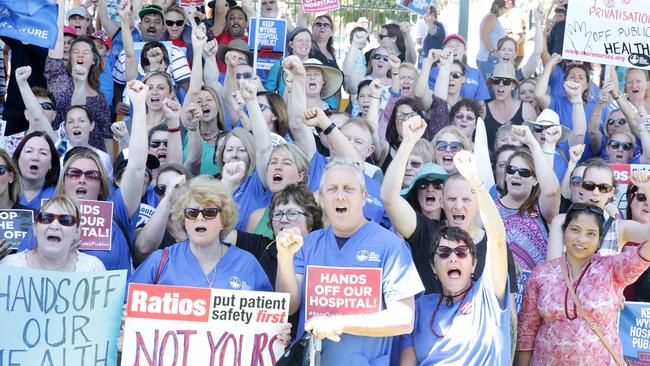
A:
{"x":474,"y":86}
{"x":35,"y":203}
{"x":250,"y":195}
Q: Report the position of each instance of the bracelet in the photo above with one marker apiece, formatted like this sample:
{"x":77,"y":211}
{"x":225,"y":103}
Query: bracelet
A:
{"x":172,"y":130}
{"x":549,"y":152}
{"x":478,"y":189}
{"x":576,"y":103}
{"x":329,"y":129}
{"x":192,"y":126}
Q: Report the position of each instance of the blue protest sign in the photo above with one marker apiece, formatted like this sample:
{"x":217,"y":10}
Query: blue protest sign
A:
{"x":270,"y":42}
{"x":634,"y":330}
{"x":60,"y":318}
{"x":30,"y":21}
{"x":416,"y":6}
{"x":522,"y":278}
{"x":14,"y":225}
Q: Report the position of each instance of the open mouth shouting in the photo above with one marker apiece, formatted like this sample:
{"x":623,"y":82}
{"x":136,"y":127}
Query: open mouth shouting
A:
{"x":454,"y":273}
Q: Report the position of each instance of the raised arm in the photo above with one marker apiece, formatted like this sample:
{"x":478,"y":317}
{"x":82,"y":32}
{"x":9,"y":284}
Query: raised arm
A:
{"x":38,"y":121}
{"x":575,"y":153}
{"x":133,"y":176}
{"x":172,"y":110}
{"x":352,"y":78}
{"x":422,"y":91}
{"x":230,"y":85}
{"x":595,"y":136}
{"x":294,"y":72}
{"x":57,"y":51}
{"x":289,"y":242}
{"x":373,"y":115}
{"x":130,"y":62}
{"x":411,"y":55}
{"x":210,"y":68}
{"x":574,"y":93}
{"x":441,"y":87}
{"x":533,"y":61}
{"x":259,"y":127}
{"x":543,"y":99}
{"x":79,"y":77}
{"x":191,"y":119}
{"x":339,"y":144}
{"x":199,"y":39}
{"x":496,"y":259}
{"x":106,"y":22}
{"x":400,"y":212}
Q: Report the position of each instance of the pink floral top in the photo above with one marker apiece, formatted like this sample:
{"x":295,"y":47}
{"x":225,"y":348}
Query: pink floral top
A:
{"x":549,"y":323}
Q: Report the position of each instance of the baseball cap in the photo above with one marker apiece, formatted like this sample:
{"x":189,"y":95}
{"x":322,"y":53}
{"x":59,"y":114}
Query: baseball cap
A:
{"x":457,"y":37}
{"x":151,"y":9}
{"x":81,"y":11}
{"x":102,"y":37}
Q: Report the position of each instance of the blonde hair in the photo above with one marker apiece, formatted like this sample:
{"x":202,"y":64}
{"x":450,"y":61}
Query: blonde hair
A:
{"x":247,"y":140}
{"x":68,"y":203}
{"x":207,"y":192}
{"x":424,"y":150}
{"x":104,"y":190}
{"x":467,"y":145}
{"x":15,"y":187}
{"x":299,"y":158}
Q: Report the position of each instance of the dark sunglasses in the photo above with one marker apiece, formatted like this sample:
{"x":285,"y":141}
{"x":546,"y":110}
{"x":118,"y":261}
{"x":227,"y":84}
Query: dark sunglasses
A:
{"x":620,"y":121}
{"x":208,"y":213}
{"x":585,"y":207}
{"x":588,"y":185}
{"x":576,"y":180}
{"x":76,"y":173}
{"x":435,"y":183}
{"x":523,"y":172}
{"x":154,"y":144}
{"x":291,"y":215}
{"x":47,"y":106}
{"x":264,"y":107}
{"x":466,"y":117}
{"x":456,"y":74}
{"x":453,"y":146}
{"x":377,"y":56}
{"x":415,"y":164}
{"x":324,"y":25}
{"x":382,"y":36}
{"x":540,"y":129}
{"x":627,"y":146}
{"x":171,"y":23}
{"x":461,"y":251}
{"x":244,"y":75}
{"x":160,"y":189}
{"x":48,"y":218}
{"x":502,"y":81}
{"x":4,"y":169}
{"x":641,"y":197}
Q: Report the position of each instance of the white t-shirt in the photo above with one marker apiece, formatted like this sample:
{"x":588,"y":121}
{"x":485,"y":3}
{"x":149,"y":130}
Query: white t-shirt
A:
{"x":85,"y":262}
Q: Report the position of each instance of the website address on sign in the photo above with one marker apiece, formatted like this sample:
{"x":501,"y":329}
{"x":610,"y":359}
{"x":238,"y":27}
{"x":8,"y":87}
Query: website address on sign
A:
{"x":593,"y":54}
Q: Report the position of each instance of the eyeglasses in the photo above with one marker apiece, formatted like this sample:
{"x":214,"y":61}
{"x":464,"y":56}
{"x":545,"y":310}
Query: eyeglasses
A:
{"x":523,"y":172}
{"x":585,"y":207}
{"x":456,"y":75}
{"x":378,"y":57}
{"x":171,"y":23}
{"x":160,"y":189}
{"x":382,"y":36}
{"x":466,"y":117}
{"x":48,"y":218}
{"x":641,"y":197}
{"x":620,"y":121}
{"x":244,"y":75}
{"x":154,"y":144}
{"x":322,"y":25}
{"x":264,"y":107}
{"x":47,"y":106}
{"x":208,"y":213}
{"x":461,"y":251}
{"x":402,"y":116}
{"x":627,"y":146}
{"x":291,"y":215}
{"x":588,"y":185}
{"x":3,"y":169}
{"x":576,"y":180}
{"x":453,"y":146}
{"x":76,"y":173}
{"x":415,"y":164}
{"x":435,"y":183}
{"x":501,"y":81}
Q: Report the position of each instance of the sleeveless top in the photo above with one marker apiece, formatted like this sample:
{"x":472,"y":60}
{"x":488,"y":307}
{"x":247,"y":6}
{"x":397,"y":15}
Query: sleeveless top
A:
{"x":262,"y":227}
{"x":492,"y":125}
{"x":526,"y":236}
{"x":495,"y":35}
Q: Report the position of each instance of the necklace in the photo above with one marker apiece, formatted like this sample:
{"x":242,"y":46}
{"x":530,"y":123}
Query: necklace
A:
{"x":449,"y":303}
{"x":209,"y":139}
{"x":214,"y":270}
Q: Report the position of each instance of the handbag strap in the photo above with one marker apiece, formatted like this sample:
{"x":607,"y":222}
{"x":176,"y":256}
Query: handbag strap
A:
{"x":592,"y":324}
{"x":163,"y":258}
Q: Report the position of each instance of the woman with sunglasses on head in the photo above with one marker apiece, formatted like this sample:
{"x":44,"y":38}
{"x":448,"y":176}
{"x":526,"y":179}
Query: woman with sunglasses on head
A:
{"x":39,"y":168}
{"x":446,"y":143}
{"x":474,"y":303}
{"x":568,"y":292}
{"x":56,"y":232}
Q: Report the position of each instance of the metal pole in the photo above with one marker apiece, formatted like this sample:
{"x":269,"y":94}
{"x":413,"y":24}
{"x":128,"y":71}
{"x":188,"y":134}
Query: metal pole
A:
{"x":463,"y":15}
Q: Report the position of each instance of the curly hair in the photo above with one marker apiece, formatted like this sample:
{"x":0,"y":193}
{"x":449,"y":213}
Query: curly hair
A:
{"x":303,"y":197}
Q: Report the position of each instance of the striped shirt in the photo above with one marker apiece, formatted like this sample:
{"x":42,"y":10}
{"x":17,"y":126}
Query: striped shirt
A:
{"x":178,"y":68}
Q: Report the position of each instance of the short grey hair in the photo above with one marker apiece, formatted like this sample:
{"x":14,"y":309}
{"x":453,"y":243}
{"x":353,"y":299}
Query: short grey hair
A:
{"x":342,"y":161}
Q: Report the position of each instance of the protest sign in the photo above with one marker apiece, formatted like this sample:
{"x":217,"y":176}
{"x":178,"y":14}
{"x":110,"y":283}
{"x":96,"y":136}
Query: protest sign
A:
{"x":32,"y":22}
{"x":270,"y":42}
{"x":342,"y":291}
{"x":202,"y":326}
{"x":622,"y":174}
{"x":612,"y":32}
{"x":60,"y":318}
{"x":522,"y":278}
{"x":318,"y":6}
{"x":185,"y":3}
{"x":14,"y":224}
{"x":96,"y":225}
{"x":634,"y":330}
{"x":416,"y":6}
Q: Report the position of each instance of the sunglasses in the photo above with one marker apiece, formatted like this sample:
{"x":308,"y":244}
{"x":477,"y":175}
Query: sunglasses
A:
{"x":576,"y":180}
{"x":523,"y":172}
{"x":324,"y":25}
{"x":48,"y":218}
{"x":627,"y":146}
{"x":291,"y":215}
{"x":502,"y":81}
{"x":456,"y":75}
{"x":588,"y":185}
{"x":244,"y":75}
{"x":378,"y":57}
{"x":620,"y":121}
{"x":208,"y":213}
{"x":264,"y":107}
{"x":540,"y":129}
{"x":453,"y":146}
{"x":3,"y":169}
{"x":47,"y":106}
{"x":415,"y":164}
{"x":461,"y":251}
{"x":641,"y":197}
{"x":585,"y":207}
{"x":436,"y":184}
{"x":466,"y":117}
{"x":154,"y":144}
{"x":160,"y":189}
{"x":401,"y":116}
{"x":76,"y":173}
{"x":171,"y":23}
{"x":382,"y":36}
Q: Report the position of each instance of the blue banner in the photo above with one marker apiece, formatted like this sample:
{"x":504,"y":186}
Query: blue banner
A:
{"x":59,"y":318}
{"x":30,"y":21}
{"x":270,"y":43}
{"x":634,"y":330}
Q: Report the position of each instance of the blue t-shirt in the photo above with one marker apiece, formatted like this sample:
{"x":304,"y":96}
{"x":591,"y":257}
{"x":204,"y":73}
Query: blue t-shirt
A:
{"x":237,"y":270}
{"x":119,"y":257}
{"x":372,"y":210}
{"x":400,"y":280}
{"x":250,"y":195}
{"x":474,"y":86}
{"x":561,"y":104}
{"x":481,"y":337}
{"x":106,"y":78}
{"x":35,"y":203}
{"x":559,"y":165}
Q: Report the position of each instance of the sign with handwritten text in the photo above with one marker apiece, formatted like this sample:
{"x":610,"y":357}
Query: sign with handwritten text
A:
{"x":611,"y":32}
{"x":317,"y":6}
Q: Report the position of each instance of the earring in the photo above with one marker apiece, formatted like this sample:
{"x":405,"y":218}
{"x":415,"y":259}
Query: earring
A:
{"x":473,"y":277}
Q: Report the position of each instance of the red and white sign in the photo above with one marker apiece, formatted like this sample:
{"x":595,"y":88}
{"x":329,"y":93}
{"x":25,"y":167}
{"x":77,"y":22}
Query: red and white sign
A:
{"x":317,"y":6}
{"x":173,"y":325}
{"x":196,"y":3}
{"x":334,"y":291}
{"x":622,"y":173}
{"x":96,"y":225}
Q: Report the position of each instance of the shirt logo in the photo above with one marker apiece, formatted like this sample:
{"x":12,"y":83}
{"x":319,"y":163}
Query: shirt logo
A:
{"x":235,"y":282}
{"x":368,"y":255}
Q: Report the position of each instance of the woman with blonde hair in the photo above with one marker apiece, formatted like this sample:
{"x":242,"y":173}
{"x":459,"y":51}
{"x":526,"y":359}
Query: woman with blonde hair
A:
{"x":446,"y":143}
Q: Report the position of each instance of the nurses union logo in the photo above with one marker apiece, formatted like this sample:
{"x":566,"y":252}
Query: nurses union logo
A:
{"x":363,"y":255}
{"x":235,"y":282}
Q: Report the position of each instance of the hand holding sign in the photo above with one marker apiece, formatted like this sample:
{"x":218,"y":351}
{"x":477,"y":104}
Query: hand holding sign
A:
{"x":325,"y":327}
{"x":289,"y":241}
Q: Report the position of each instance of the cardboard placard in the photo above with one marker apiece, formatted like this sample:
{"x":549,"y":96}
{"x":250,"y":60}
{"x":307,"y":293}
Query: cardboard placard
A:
{"x":342,"y":291}
{"x":201,"y":326}
{"x":32,"y":22}
{"x":622,"y":176}
{"x":416,"y":6}
{"x":270,"y":42}
{"x":634,"y":330}
{"x":318,"y":6}
{"x":14,"y":225}
{"x":96,"y":225}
